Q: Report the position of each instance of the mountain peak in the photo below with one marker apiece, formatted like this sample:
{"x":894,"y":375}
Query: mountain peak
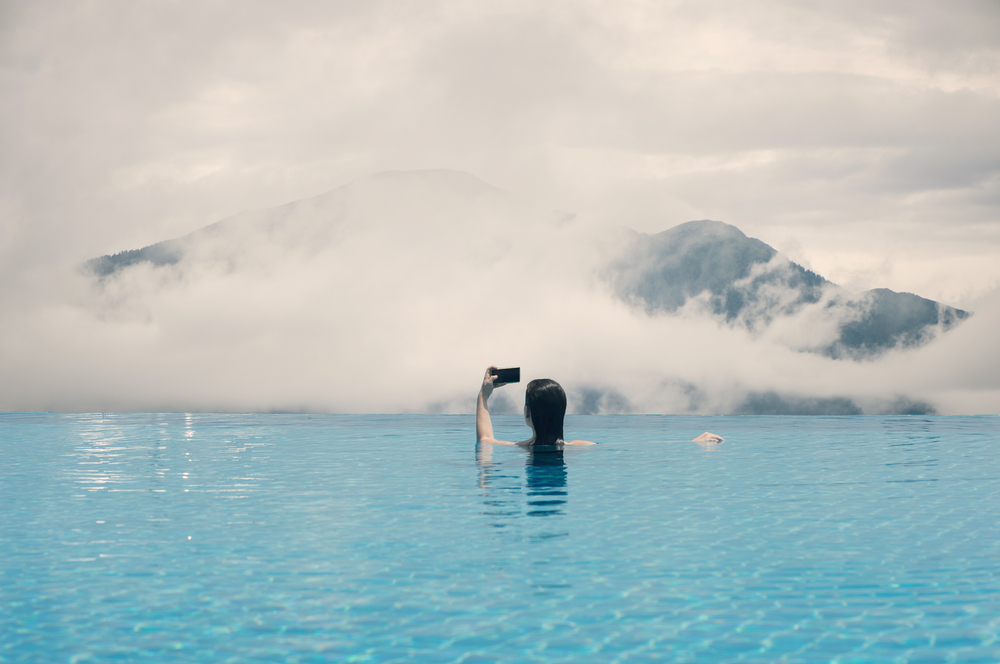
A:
{"x":432,"y":196}
{"x":733,"y":277}
{"x":665,"y":270}
{"x":703,"y":228}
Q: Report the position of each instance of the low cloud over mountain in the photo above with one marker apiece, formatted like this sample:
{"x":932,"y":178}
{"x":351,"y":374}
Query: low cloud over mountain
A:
{"x":392,"y":293}
{"x":714,"y":268}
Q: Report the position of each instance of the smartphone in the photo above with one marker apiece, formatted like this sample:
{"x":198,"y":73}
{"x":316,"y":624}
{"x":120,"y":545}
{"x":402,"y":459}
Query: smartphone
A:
{"x":512,"y":375}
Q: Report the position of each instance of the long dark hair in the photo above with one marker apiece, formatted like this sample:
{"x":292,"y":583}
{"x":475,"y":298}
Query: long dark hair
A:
{"x":546,"y":402}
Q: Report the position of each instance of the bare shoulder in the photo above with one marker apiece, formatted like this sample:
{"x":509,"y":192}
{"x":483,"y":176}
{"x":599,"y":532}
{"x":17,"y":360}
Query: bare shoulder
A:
{"x":708,"y":438}
{"x":580,"y":442}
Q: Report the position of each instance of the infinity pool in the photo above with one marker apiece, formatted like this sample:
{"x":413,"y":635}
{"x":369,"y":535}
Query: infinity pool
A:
{"x":295,"y":538}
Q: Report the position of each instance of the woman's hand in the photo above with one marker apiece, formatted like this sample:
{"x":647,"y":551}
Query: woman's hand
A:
{"x":708,"y":438}
{"x":489,"y":384}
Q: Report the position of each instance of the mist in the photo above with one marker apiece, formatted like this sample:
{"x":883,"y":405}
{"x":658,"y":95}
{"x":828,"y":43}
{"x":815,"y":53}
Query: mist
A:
{"x":862,"y":141}
{"x":395,"y":292}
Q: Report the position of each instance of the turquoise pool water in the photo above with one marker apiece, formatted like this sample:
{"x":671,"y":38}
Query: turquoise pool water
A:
{"x":246,"y":538}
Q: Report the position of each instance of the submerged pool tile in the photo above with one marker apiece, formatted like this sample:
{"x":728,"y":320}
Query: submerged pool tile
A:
{"x":381,"y":539}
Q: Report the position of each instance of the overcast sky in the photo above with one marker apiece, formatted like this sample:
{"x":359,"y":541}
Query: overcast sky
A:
{"x":861,"y":138}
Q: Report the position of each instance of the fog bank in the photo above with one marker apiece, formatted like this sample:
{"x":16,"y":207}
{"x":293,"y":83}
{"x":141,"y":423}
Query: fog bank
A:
{"x":393,"y":293}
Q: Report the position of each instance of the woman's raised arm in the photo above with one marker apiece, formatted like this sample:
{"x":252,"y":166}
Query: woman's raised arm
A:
{"x":484,"y":426}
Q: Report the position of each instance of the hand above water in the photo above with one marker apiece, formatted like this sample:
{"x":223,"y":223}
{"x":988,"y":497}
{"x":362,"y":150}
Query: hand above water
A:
{"x":489,"y":384}
{"x":710,"y":438}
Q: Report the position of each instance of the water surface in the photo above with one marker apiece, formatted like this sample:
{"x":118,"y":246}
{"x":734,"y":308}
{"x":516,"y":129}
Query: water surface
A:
{"x":172,"y":537}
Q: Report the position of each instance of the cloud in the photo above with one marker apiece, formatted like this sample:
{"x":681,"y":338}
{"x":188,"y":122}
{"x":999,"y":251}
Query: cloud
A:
{"x":864,"y":134}
{"x":391,"y":294}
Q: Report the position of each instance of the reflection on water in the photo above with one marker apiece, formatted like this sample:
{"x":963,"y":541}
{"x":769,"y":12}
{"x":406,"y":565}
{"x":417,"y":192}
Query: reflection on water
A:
{"x":164,"y":453}
{"x":102,"y":457}
{"x":545,"y":472}
{"x":507,"y":497}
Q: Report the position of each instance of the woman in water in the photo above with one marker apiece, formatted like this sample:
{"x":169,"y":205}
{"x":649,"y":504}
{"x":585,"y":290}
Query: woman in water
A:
{"x":544,"y":411}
